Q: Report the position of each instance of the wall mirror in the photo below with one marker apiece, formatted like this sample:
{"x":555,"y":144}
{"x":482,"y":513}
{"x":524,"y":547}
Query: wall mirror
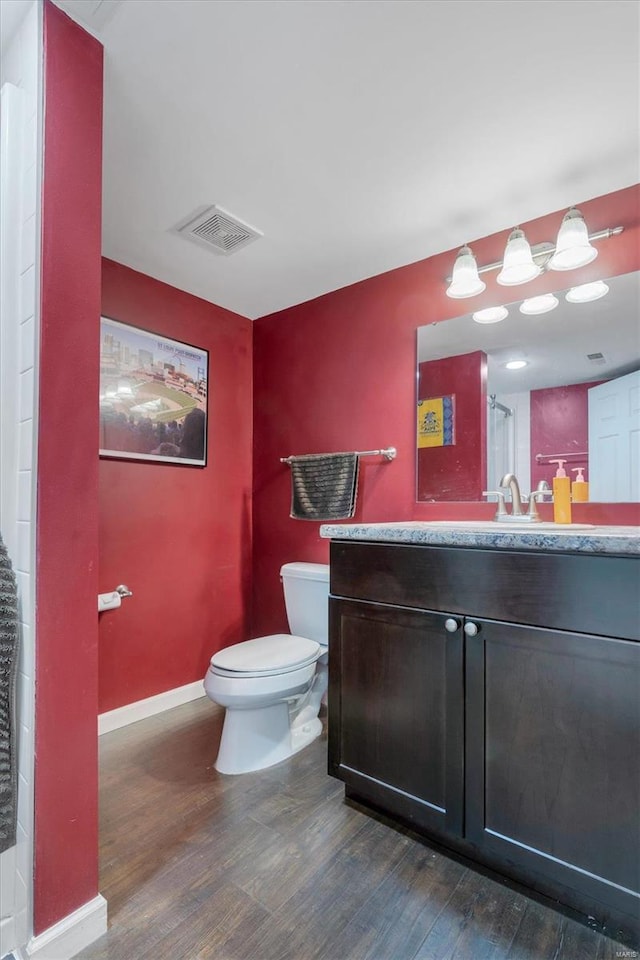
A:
{"x":575,"y":396}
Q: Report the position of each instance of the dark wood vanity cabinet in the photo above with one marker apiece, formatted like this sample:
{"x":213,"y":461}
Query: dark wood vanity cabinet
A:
{"x":515,"y":741}
{"x":552,"y":770}
{"x":398,"y":719}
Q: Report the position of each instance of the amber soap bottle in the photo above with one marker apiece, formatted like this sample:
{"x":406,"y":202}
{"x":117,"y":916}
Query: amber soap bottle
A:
{"x":561,"y":494}
{"x":579,"y":487}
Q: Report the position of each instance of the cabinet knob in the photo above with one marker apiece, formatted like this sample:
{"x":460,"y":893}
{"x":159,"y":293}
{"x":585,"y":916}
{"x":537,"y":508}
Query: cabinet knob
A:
{"x":471,"y":629}
{"x":451,"y":625}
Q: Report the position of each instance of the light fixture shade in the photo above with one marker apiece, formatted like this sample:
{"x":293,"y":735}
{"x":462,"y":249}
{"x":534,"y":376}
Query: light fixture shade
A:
{"x":516,"y":364}
{"x":465,"y":281}
{"x":537,"y":305}
{"x":587,"y":291}
{"x":573,"y":248}
{"x":491,"y":315}
{"x":518,"y":265}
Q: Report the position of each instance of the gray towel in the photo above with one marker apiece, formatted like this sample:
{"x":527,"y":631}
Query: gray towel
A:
{"x":8,"y":669}
{"x":324,"y":486}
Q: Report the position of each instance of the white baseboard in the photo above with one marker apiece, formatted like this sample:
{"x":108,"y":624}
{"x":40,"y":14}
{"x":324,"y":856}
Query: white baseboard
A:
{"x":71,"y":934}
{"x":142,"y":709}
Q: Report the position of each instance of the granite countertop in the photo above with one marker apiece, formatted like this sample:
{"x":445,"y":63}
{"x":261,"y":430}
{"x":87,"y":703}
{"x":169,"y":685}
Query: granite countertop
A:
{"x":577,"y":538}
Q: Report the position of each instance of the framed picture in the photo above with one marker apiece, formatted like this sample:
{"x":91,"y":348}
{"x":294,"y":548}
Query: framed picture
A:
{"x":153,"y":396}
{"x":436,"y":422}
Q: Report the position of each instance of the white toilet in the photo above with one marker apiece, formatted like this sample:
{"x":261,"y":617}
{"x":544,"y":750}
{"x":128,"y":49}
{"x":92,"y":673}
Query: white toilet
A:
{"x":272,"y":686}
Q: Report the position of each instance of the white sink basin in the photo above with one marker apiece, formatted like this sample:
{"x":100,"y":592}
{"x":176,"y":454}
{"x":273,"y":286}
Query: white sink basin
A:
{"x":508,"y":526}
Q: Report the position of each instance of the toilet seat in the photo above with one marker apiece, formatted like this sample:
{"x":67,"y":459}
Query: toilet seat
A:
{"x":269,"y":656}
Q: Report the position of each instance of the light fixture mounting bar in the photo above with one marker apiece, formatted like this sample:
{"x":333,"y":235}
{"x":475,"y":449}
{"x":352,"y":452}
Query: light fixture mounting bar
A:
{"x":546,"y":249}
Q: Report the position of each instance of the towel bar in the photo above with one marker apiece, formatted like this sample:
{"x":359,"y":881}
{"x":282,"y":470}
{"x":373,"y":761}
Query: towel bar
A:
{"x":389,"y":453}
{"x":570,"y":453}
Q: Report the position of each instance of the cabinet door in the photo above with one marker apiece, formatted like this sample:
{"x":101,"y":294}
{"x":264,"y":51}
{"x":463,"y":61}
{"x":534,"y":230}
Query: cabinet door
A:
{"x":396,"y":710}
{"x":553,"y":756}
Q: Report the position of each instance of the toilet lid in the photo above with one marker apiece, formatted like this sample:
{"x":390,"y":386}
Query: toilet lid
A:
{"x":266,"y":656}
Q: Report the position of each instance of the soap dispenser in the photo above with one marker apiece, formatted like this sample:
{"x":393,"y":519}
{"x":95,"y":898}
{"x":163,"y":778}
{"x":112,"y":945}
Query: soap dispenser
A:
{"x":561,"y":494}
{"x":579,"y":487}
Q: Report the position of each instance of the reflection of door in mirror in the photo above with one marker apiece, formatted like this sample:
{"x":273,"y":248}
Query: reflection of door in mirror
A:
{"x":567,"y":352}
{"x":614,"y":440}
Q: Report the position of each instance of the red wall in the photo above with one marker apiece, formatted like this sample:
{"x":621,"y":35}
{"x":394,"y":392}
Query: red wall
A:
{"x":66,"y":836}
{"x":338,"y":373}
{"x":178,"y":536}
{"x":458,"y":471}
{"x":560,"y":424}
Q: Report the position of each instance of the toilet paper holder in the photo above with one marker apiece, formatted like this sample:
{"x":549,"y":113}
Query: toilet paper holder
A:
{"x":111,"y":601}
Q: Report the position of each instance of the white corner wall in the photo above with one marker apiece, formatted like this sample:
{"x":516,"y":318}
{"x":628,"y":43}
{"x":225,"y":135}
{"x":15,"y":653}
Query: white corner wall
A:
{"x":21,"y":118}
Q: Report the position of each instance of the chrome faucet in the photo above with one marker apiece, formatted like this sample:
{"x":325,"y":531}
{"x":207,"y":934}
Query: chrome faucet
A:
{"x":517,"y":499}
{"x":510,"y":480}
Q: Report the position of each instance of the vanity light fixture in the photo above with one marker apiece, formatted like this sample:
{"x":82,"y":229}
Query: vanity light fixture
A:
{"x":518,"y":265}
{"x":522,"y":262}
{"x":573,"y":248}
{"x":465,"y":281}
{"x":516,"y":364}
{"x":587,"y":292}
{"x":537,"y":305}
{"x":491,"y":315}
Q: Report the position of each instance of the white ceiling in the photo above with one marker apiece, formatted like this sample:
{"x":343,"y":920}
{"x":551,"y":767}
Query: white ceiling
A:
{"x":12,"y":13}
{"x":356,"y":135}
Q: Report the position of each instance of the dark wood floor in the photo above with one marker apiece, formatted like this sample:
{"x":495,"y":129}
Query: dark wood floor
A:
{"x":276,"y":866}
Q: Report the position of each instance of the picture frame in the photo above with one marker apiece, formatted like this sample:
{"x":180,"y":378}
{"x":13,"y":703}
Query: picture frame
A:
{"x":153,"y":396}
{"x":436,"y":422}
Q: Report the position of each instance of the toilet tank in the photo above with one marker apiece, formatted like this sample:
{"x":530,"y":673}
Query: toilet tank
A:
{"x":306,"y":595}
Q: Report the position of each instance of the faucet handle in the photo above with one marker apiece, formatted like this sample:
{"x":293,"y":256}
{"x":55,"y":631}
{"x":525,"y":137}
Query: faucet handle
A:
{"x":535,"y":496}
{"x":501,"y":510}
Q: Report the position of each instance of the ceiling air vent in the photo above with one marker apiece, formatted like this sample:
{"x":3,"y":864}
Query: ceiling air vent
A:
{"x":217,"y":230}
{"x":596,"y":357}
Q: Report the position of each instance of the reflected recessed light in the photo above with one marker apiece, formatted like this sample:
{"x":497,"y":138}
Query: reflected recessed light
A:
{"x":536,"y":305}
{"x":491,"y":315}
{"x":587,"y":292}
{"x":516,"y":364}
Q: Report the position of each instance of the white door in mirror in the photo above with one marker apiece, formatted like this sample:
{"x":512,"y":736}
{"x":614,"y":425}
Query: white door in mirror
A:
{"x":614,"y":427}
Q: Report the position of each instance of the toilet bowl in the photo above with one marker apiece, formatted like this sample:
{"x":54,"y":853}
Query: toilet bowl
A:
{"x":272,"y":687}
